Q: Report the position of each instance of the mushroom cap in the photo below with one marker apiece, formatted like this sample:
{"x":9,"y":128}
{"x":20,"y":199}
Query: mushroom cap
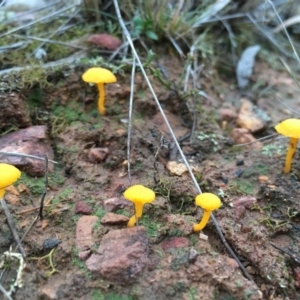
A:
{"x":289,"y":128}
{"x":98,"y":75}
{"x":139,"y":193}
{"x":208,"y":201}
{"x":8,"y":175}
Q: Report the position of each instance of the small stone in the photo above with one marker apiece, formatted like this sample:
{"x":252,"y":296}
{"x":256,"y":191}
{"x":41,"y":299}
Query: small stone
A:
{"x":113,"y":204}
{"x":82,"y":208}
{"x":203,"y":236}
{"x":121,"y":256}
{"x":178,"y":169}
{"x":32,"y":141}
{"x":250,"y":270}
{"x":193,"y":254}
{"x":51,"y":243}
{"x":243,"y":136}
{"x":251,"y":117}
{"x":174,"y":243}
{"x":240,"y":162}
{"x":114,"y":219}
{"x":84,"y":255}
{"x":104,"y":40}
{"x":227,"y":114}
{"x":238,"y":173}
{"x":84,"y":227}
{"x":232,"y":262}
{"x":96,"y":155}
{"x":263,"y":178}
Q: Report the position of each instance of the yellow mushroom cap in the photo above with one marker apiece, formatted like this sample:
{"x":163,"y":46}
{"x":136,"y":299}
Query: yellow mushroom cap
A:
{"x":208,"y":201}
{"x":289,"y":128}
{"x":8,"y":175}
{"x":139,"y":193}
{"x":98,"y":75}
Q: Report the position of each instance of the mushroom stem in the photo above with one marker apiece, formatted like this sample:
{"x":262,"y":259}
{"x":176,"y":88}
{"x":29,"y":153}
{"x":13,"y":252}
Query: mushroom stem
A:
{"x":202,"y":224}
{"x":138,"y":213}
{"x":101,"y":99}
{"x":290,"y":153}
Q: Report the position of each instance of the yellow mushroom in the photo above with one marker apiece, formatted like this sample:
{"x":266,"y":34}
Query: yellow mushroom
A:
{"x":208,"y":202}
{"x":289,"y":128}
{"x":99,"y":76}
{"x":139,"y":195}
{"x":8,"y":175}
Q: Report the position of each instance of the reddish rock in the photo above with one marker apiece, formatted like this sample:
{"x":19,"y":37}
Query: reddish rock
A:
{"x":179,"y":222}
{"x":114,"y":219}
{"x":243,"y":136}
{"x":297,"y":277}
{"x":32,"y":141}
{"x":122,"y":255}
{"x":82,"y":208}
{"x":13,"y":111}
{"x":227,"y":114}
{"x":84,"y":228}
{"x":251,"y":117}
{"x":84,"y":255}
{"x":174,"y":243}
{"x":50,"y":289}
{"x":113,"y":204}
{"x":105,"y":40}
{"x":97,"y":154}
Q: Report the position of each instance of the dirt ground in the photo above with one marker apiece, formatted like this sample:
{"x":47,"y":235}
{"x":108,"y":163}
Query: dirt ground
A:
{"x":259,"y":217}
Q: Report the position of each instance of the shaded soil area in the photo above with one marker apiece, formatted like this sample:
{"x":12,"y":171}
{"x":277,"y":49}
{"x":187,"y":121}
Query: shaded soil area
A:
{"x":85,"y":214}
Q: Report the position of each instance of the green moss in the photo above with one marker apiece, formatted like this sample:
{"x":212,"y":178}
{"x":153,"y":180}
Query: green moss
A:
{"x":98,"y":295}
{"x":35,"y":185}
{"x":150,"y":224}
{"x":100,"y":212}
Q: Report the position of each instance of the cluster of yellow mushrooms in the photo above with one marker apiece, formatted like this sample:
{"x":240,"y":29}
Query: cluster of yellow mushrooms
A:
{"x":141,"y":195}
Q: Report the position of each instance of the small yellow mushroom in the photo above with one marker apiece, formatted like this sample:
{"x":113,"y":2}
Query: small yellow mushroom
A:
{"x":8,"y":175}
{"x":289,"y":128}
{"x":208,"y":202}
{"x":99,"y":76}
{"x":139,"y":195}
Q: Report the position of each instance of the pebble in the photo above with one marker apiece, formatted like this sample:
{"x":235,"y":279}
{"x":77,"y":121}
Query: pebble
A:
{"x":82,"y":208}
{"x":113,"y":204}
{"x":84,"y":228}
{"x":121,"y":256}
{"x":251,"y":117}
{"x":263,"y":179}
{"x":51,"y":243}
{"x":96,"y":155}
{"x":114,"y":219}
{"x":174,"y":243}
{"x":32,"y":141}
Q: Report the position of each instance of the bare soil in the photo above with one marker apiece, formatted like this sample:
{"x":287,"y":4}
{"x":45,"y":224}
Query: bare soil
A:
{"x":263,"y":222}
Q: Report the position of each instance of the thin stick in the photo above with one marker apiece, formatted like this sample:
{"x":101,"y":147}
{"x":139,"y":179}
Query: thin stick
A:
{"x":55,"y":32}
{"x":285,"y":31}
{"x":12,"y":226}
{"x":53,"y":64}
{"x":130,"y":119}
{"x":37,"y":21}
{"x":48,"y":41}
{"x":258,"y":140}
{"x":27,"y":12}
{"x":5,"y":293}
{"x":45,"y":190}
{"x":127,"y":34}
{"x":26,"y":155}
